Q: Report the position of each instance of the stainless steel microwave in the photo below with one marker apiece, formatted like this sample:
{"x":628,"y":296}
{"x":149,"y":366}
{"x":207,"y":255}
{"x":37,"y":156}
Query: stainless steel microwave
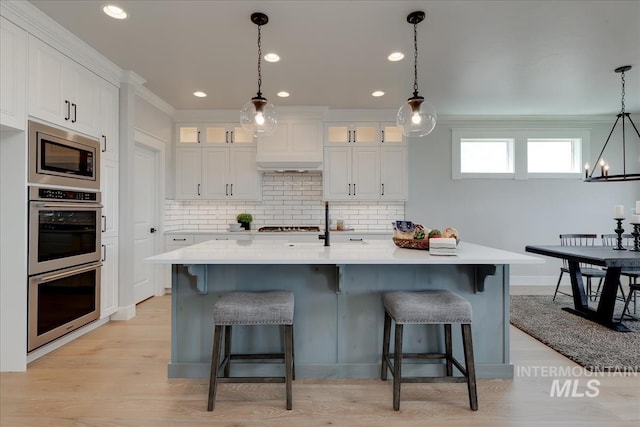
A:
{"x":59,"y":157}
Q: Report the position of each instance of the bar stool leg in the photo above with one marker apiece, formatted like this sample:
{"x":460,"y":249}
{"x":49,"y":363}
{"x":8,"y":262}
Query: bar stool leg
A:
{"x":213,"y":378}
{"x":227,"y":349}
{"x":288,"y":362}
{"x":385,"y":346}
{"x":467,"y":343}
{"x":448,"y":348}
{"x":397,"y":367}
{"x":293,"y":356}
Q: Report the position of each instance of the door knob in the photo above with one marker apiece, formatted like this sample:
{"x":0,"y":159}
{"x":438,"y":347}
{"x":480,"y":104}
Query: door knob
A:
{"x":152,"y":230}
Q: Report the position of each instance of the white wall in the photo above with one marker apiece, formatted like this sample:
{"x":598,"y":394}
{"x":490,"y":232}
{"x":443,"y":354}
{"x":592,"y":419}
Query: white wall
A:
{"x":510,"y":214}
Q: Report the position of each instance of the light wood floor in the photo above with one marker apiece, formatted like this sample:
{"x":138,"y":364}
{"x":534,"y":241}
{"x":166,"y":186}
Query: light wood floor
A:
{"x":117,"y":376}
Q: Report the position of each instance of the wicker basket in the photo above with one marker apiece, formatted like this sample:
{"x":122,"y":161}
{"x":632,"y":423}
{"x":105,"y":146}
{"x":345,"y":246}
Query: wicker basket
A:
{"x":412,"y":243}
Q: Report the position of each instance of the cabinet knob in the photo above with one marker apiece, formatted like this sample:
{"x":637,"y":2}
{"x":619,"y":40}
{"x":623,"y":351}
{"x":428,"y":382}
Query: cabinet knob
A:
{"x":152,"y":230}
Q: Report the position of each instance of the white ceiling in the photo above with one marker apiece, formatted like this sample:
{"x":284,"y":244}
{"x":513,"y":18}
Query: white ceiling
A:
{"x":475,"y":57}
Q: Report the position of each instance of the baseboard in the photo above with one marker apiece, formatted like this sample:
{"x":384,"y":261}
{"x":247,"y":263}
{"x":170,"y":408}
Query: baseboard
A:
{"x":539,"y":280}
{"x":125,"y":313}
{"x":65,"y":339}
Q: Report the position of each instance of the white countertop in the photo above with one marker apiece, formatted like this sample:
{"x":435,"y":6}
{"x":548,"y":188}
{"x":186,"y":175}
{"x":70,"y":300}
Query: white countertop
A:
{"x":254,"y":232}
{"x":366,"y":252}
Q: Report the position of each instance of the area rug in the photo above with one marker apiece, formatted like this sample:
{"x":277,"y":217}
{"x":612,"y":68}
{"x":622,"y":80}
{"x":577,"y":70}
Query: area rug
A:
{"x":589,"y":344}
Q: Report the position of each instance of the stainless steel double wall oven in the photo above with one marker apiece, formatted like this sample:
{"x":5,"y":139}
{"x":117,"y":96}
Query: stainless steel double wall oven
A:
{"x":65,"y":225}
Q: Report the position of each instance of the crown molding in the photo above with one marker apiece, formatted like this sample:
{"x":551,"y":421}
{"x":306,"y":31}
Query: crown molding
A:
{"x":38,"y":24}
{"x":587,"y":119}
{"x":155,"y":100}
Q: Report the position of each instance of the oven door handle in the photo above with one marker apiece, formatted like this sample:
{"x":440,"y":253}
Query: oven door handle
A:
{"x":49,"y":277}
{"x":79,"y":205}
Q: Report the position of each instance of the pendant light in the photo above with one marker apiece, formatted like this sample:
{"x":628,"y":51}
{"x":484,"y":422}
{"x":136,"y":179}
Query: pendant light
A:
{"x":258,"y":117}
{"x":416,"y":117}
{"x":604,"y":166}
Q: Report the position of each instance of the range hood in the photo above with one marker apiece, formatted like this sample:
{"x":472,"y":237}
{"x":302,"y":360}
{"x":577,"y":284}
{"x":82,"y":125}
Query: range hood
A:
{"x":289,"y":165}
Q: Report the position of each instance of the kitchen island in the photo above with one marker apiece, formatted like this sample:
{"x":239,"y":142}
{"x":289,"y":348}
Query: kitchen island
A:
{"x":338,"y":309}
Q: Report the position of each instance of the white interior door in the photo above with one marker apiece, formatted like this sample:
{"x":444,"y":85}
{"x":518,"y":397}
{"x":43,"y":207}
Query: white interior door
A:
{"x":145,"y":220}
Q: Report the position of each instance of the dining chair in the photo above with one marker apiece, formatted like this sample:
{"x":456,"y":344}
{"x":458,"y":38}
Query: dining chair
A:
{"x":631,"y":275}
{"x":588,"y":271}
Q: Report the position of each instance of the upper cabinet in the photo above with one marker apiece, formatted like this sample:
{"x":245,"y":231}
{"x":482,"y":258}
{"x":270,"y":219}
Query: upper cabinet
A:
{"x":364,"y":161}
{"x":221,"y":166}
{"x":296,"y":144}
{"x":193,"y":134}
{"x":62,"y":91}
{"x":348,"y":133}
{"x":13,"y":70}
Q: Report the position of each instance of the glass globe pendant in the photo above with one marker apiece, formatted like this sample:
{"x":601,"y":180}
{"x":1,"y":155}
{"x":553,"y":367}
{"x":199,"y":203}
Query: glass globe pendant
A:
{"x":258,"y":117}
{"x":416,"y":117}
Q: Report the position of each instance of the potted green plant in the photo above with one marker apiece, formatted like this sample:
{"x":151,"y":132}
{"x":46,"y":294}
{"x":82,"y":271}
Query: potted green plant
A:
{"x":245,"y":220}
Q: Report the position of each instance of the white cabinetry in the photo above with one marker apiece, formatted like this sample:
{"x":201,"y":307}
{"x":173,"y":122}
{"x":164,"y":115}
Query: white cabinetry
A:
{"x":352,"y":133}
{"x":393,"y":173}
{"x":109,"y":181}
{"x":109,"y":277}
{"x":358,"y":168}
{"x":109,"y":124}
{"x":295,"y":144}
{"x":219,"y":167}
{"x":13,"y":68}
{"x":61,"y":91}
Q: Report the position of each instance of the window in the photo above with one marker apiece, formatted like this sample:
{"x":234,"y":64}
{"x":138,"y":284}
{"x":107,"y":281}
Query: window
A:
{"x":518,"y":153}
{"x":485,"y":155}
{"x":549,"y":155}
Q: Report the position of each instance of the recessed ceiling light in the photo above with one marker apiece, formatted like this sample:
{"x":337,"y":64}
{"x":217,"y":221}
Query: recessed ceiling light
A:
{"x":271,"y":57}
{"x":200,"y":94}
{"x":395,"y":56}
{"x":114,"y":11}
{"x":377,"y":93}
{"x":283,"y":94}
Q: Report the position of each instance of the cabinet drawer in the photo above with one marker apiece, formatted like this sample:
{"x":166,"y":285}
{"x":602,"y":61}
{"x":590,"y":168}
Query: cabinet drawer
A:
{"x":178,"y":240}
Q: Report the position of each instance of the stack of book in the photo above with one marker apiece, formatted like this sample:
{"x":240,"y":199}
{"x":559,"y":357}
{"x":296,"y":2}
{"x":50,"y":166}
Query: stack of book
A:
{"x":442,"y":246}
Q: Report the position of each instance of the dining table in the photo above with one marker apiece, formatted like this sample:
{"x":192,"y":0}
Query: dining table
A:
{"x":610,"y":259}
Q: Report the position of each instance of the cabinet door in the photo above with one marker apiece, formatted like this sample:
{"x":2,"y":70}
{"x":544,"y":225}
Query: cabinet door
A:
{"x":187,"y":135}
{"x":225,"y":133}
{"x":391,"y":134}
{"x":243,"y":174}
{"x":84,"y":97}
{"x":215,"y":173}
{"x":366,"y":173}
{"x":13,"y":68}
{"x":188,"y":172}
{"x":109,"y":189}
{"x":393,"y":173}
{"x":109,"y":137}
{"x":46,"y":99}
{"x":109,"y":277}
{"x":365,"y":133}
{"x":337,"y":134}
{"x":336,"y":178}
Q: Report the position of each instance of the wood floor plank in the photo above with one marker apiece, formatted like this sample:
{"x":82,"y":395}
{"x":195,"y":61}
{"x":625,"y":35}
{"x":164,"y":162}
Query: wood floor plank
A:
{"x":117,"y":376}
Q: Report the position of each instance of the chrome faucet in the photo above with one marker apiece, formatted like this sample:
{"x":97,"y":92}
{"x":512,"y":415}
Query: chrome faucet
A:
{"x":325,"y":235}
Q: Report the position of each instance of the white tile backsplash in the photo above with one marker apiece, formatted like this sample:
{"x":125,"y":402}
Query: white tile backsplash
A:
{"x":287,"y":199}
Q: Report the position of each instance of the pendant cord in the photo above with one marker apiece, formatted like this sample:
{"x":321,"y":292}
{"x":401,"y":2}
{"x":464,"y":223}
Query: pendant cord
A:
{"x":259,"y":61}
{"x":415,"y":59}
{"x":622,"y":78}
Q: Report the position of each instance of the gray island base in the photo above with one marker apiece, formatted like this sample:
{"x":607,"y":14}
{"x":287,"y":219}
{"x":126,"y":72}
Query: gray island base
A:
{"x":339,"y":316}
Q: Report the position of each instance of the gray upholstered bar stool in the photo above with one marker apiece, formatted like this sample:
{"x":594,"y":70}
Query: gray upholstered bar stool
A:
{"x":427,"y":307}
{"x":251,"y":308}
